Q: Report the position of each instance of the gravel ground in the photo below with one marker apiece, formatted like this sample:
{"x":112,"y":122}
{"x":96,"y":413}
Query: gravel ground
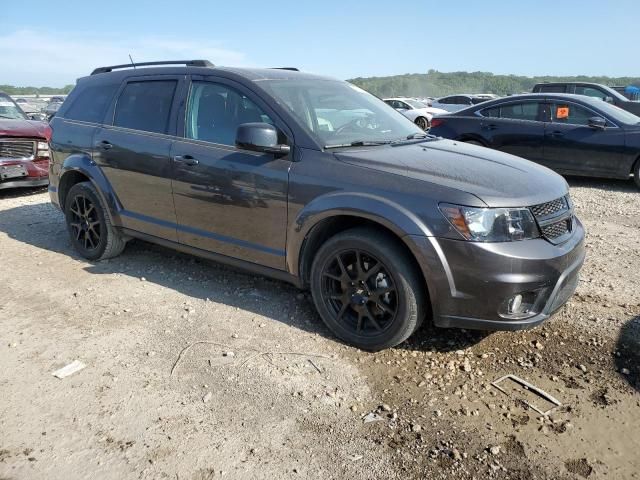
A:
{"x":269,"y":393}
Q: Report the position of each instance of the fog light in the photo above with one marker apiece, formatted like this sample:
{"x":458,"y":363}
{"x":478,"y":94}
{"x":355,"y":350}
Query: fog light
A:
{"x":518,"y":306}
{"x":514,"y":304}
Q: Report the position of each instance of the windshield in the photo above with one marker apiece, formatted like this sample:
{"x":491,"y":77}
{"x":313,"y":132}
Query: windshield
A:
{"x":338,"y":113}
{"x":8,"y":109}
{"x":416,"y":104}
{"x":618,"y":114}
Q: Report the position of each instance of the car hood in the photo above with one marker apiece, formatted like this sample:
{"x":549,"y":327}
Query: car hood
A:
{"x":496,"y":178}
{"x":24,"y":128}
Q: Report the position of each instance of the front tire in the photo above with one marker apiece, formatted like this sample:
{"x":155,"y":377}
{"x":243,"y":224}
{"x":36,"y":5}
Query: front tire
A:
{"x":367,"y":289}
{"x":92,"y":234}
{"x":423,"y":123}
{"x":636,"y":173}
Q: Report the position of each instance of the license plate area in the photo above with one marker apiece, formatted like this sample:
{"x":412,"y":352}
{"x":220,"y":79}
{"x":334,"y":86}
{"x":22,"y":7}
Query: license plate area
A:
{"x":12,"y":171}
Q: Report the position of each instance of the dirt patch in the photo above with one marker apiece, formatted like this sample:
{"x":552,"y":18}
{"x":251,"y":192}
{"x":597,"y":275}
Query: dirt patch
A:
{"x":282,"y":416}
{"x":579,"y":467}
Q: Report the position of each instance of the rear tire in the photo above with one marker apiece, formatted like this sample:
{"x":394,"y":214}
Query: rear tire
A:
{"x":423,"y":123}
{"x":367,"y":289}
{"x":92,"y":234}
{"x":636,"y":173}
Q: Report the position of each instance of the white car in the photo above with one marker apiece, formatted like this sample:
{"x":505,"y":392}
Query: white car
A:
{"x":416,"y":111}
{"x":453,"y":103}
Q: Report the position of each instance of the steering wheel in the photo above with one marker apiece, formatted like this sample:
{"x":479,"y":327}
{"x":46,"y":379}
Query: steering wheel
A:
{"x":359,"y":123}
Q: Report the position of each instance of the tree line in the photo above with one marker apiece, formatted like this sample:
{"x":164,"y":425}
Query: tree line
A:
{"x":11,"y":90}
{"x":439,"y":84}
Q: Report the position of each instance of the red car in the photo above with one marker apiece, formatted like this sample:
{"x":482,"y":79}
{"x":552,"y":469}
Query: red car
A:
{"x":24,"y":147}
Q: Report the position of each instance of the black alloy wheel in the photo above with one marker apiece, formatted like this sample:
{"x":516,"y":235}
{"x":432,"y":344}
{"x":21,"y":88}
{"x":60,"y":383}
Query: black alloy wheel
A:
{"x":85,"y":224}
{"x":368,"y":289}
{"x":89,"y":225}
{"x":360,"y":292}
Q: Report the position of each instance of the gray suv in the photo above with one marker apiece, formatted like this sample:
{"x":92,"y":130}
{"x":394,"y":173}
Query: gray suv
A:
{"x":316,"y":182}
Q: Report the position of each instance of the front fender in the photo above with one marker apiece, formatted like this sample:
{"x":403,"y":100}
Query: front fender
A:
{"x":383,"y":211}
{"x":82,"y":164}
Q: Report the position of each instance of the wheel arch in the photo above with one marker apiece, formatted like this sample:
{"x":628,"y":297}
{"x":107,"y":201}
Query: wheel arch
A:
{"x":471,"y":136}
{"x":80,"y":168}
{"x":326,"y":217}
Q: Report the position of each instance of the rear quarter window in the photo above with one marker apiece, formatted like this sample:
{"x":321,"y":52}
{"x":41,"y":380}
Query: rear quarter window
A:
{"x":91,"y":103}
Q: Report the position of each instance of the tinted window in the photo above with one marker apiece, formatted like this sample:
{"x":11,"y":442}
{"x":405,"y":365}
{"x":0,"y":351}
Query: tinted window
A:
{"x":520,"y":111}
{"x":215,"y":112}
{"x":145,"y":106}
{"x":571,"y":113}
{"x":447,"y":100}
{"x":553,"y":88}
{"x":513,"y":111}
{"x":590,"y":92}
{"x":493,"y":112}
{"x":91,"y":103}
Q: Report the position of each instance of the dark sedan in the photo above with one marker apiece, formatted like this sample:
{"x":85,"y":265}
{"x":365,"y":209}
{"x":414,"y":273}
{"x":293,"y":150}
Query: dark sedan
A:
{"x":572,"y":134}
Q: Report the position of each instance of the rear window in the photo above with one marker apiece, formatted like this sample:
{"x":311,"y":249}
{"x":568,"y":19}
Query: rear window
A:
{"x":145,"y":105}
{"x":91,"y":103}
{"x":552,"y":88}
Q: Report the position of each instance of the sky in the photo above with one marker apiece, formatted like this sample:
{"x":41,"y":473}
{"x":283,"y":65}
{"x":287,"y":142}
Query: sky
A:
{"x":45,"y":43}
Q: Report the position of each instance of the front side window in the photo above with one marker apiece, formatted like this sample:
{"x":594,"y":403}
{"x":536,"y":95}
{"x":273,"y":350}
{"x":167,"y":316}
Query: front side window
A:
{"x":9,"y":109}
{"x":215,"y":111}
{"x":570,"y":113}
{"x":145,"y":105}
{"x":590,"y":92}
{"x":338,"y":113}
{"x":447,"y":100}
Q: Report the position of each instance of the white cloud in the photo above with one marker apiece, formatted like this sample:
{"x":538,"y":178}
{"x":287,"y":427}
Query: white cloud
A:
{"x":56,"y":59}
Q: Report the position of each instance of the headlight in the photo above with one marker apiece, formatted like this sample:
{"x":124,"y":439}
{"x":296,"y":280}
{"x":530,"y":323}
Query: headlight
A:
{"x":43,"y":150}
{"x":491,"y":224}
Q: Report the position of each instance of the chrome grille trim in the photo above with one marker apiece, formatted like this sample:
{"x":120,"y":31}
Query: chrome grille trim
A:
{"x":17,"y":148}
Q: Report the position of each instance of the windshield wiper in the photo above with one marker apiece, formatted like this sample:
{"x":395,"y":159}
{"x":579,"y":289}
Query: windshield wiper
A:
{"x":10,"y":118}
{"x":414,"y":136}
{"x":360,"y":143}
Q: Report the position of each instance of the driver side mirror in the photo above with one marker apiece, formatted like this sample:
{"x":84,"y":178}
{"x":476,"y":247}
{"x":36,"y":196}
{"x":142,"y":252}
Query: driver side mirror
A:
{"x":608,"y":99}
{"x":260,"y":137}
{"x":598,"y":123}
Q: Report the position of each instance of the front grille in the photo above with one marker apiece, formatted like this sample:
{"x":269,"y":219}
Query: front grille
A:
{"x":549,"y":208}
{"x":17,"y":148}
{"x":556,"y":230}
{"x":554,"y":218}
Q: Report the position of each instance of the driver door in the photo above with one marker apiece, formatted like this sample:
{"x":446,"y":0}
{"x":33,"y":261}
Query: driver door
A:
{"x":228,"y":200}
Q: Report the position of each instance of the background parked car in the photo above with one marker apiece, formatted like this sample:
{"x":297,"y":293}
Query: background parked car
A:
{"x":595,"y":90}
{"x":416,"y":111}
{"x":24,"y":147}
{"x":51,"y":108}
{"x":571,"y":134}
{"x":453,"y":103}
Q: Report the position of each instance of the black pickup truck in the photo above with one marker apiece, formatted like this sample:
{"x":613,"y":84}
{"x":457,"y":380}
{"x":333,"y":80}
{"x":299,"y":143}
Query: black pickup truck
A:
{"x":602,"y":92}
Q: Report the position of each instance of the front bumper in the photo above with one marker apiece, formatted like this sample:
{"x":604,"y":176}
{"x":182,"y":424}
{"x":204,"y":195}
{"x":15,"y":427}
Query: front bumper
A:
{"x":36,"y":173}
{"x":470,"y":281}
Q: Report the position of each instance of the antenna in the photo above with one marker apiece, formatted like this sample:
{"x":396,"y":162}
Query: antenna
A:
{"x":134,"y":65}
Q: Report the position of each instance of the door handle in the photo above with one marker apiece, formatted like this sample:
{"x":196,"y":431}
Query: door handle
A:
{"x":557,"y":134}
{"x":491,"y":126}
{"x":104,"y":145}
{"x":186,"y":160}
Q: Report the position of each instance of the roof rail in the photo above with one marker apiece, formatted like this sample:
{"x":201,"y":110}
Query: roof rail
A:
{"x":293,"y":69}
{"x":188,"y":63}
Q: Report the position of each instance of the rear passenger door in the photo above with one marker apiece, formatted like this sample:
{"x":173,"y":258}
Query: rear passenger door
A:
{"x":228,"y":200}
{"x":515,"y":128}
{"x":133,"y":152}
